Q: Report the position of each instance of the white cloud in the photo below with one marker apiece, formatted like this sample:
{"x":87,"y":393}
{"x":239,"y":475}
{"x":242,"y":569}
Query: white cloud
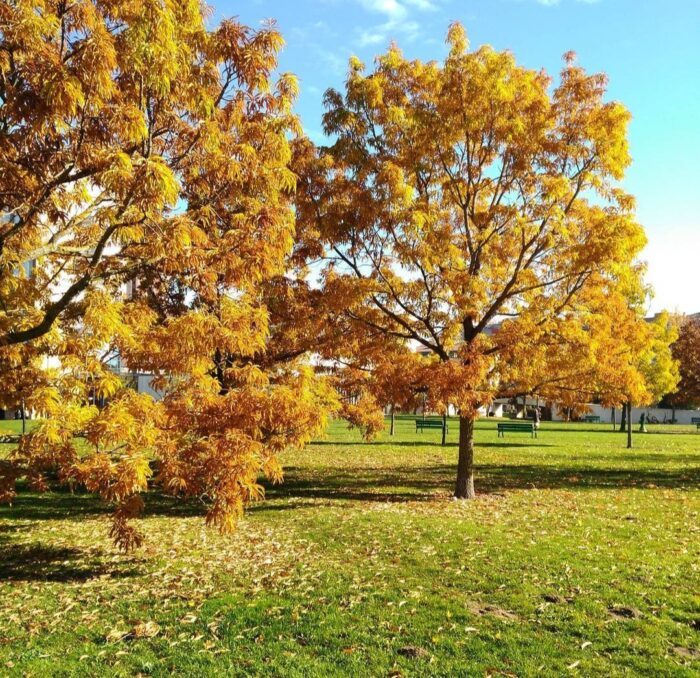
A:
{"x":398,"y":20}
{"x":335,"y":63}
{"x":371,"y":37}
{"x":391,"y":8}
{"x":423,"y":5}
{"x":551,"y":3}
{"x":398,"y":9}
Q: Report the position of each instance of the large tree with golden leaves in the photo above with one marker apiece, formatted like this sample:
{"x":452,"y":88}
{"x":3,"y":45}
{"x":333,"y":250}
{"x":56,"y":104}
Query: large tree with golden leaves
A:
{"x":461,"y":194}
{"x":146,"y":217}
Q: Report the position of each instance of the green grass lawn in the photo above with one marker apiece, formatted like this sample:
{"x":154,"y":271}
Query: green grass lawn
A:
{"x":14,"y":426}
{"x":578,"y":558}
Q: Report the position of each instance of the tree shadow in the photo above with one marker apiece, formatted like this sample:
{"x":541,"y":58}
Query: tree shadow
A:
{"x":535,"y":442}
{"x":423,"y":483}
{"x":37,"y":562}
{"x":398,"y":443}
{"x":532,"y":444}
{"x":61,"y":504}
{"x":537,"y":476}
{"x":398,"y":483}
{"x":54,"y":505}
{"x":576,"y":428}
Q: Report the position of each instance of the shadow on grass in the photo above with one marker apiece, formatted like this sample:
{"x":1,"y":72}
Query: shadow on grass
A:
{"x":421,"y":443}
{"x":390,"y":443}
{"x":44,"y":563}
{"x":583,"y":428}
{"x":425,"y":482}
{"x":60,"y":504}
{"x":376,"y":484}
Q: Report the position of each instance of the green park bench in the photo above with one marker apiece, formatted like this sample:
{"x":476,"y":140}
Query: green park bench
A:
{"x":592,"y":419}
{"x":516,"y":427}
{"x":696,"y":421}
{"x":430,"y":423}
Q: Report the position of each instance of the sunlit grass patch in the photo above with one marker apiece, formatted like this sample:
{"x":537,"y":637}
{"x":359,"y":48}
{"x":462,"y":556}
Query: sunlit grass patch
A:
{"x":578,"y":557}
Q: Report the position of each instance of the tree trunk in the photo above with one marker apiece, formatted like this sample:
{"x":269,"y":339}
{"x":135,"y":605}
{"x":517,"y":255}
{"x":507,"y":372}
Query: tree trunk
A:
{"x":391,"y":430}
{"x":629,"y":425}
{"x":24,"y":419}
{"x":464,"y":488}
{"x":623,"y":419}
{"x":612,"y":417}
{"x":444,"y":430}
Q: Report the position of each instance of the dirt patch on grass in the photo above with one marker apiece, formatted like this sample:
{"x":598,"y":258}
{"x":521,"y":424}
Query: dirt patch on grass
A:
{"x":686,"y":652}
{"x":412,"y":652}
{"x":624,"y":612}
{"x":484,"y":610}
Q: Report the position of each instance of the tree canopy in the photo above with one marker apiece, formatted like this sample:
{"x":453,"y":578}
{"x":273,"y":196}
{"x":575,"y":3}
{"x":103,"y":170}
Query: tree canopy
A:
{"x":686,"y":350}
{"x":473,"y":209}
{"x":465,"y":236}
{"x":146,"y":195}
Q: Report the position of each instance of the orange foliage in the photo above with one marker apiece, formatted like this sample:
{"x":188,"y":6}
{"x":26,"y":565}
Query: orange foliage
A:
{"x":686,"y":350}
{"x":471,"y":209}
{"x":147,"y":216}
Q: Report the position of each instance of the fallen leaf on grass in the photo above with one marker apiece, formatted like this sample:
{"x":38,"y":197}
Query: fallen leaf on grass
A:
{"x":146,"y":630}
{"x":141,"y":630}
{"x":116,"y":635}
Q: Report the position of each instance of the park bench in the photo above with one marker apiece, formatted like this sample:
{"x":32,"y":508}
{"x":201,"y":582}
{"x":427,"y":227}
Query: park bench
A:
{"x":516,"y":427}
{"x":592,"y":419}
{"x":430,"y":423}
{"x":696,"y":421}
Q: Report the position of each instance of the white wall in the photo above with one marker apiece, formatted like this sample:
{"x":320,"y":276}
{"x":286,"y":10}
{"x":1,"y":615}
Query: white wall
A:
{"x":144,"y":386}
{"x":682,"y":416}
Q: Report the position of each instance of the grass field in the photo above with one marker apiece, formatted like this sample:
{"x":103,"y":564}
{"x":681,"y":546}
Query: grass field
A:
{"x":579,"y":558}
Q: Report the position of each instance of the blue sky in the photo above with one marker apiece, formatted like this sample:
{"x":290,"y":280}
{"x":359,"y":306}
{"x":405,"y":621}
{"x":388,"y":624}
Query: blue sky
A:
{"x":650,"y":50}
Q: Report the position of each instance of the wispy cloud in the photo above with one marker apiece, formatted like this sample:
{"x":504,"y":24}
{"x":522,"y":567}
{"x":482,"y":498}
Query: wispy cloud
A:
{"x":551,"y":3}
{"x":391,"y":8}
{"x":425,"y":5}
{"x":398,"y":9}
{"x":371,"y":37}
{"x":335,"y":64}
{"x":399,"y":20}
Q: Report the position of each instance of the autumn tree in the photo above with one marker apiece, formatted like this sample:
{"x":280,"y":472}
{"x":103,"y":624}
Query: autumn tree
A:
{"x":397,"y":380}
{"x":147,"y":220}
{"x":460,"y":194}
{"x":686,"y":350}
{"x":615,"y":357}
{"x":642,"y":368}
{"x":383,"y":378}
